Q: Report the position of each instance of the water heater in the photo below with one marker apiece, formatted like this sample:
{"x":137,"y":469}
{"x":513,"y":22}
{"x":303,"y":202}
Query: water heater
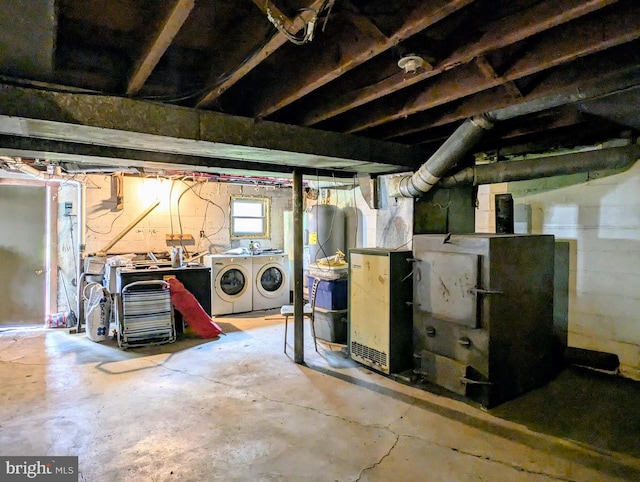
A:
{"x":325,"y":231}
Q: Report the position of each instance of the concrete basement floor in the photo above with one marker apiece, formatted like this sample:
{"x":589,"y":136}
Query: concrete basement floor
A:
{"x":238,"y":409}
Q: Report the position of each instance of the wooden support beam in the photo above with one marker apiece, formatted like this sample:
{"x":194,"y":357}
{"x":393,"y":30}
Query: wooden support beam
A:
{"x":561,"y":117}
{"x":500,"y":34}
{"x":487,"y":69}
{"x":601,"y":74}
{"x":298,"y":302}
{"x":555,"y":48}
{"x":277,"y":41}
{"x":312,"y":72}
{"x":115,"y":122}
{"x":159,"y":44}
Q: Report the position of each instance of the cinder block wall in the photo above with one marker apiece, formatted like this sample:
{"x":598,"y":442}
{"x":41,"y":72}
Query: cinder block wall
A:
{"x":203,"y":208}
{"x":601,"y":220}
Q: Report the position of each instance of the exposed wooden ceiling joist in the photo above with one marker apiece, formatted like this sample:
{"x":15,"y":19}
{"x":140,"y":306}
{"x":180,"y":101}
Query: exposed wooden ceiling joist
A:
{"x":602,"y":73}
{"x":310,"y":73}
{"x":578,"y":39}
{"x":502,"y":33}
{"x":159,"y":44}
{"x":277,"y":41}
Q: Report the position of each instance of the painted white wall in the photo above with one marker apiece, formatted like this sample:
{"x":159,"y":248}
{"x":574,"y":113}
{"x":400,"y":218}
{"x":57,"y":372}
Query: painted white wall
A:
{"x":186,"y":206}
{"x":601,"y":219}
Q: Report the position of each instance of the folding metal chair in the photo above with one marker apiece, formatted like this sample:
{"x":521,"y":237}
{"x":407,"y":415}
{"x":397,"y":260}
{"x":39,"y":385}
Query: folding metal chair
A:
{"x":146,"y":315}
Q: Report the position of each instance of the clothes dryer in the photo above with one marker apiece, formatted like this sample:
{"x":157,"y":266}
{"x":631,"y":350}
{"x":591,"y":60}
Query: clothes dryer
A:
{"x":231,"y":283}
{"x":270,"y":281}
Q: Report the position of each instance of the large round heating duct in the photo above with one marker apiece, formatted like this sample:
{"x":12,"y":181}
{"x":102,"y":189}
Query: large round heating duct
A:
{"x":464,"y":139}
{"x":561,"y":165}
{"x":325,"y":225}
{"x":454,"y":148}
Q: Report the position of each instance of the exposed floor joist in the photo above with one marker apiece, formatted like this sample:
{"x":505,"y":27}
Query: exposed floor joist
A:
{"x":359,"y":41}
{"x":596,"y":76}
{"x":277,"y":41}
{"x":498,"y":35}
{"x":159,"y":44}
{"x":556,"y":48}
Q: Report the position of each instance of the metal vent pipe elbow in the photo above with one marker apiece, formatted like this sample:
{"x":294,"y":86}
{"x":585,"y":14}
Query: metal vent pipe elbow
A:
{"x":454,"y":148}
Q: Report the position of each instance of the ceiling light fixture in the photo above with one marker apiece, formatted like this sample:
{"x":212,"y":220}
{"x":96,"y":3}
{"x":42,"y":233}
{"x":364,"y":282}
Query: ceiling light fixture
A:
{"x":411,"y":63}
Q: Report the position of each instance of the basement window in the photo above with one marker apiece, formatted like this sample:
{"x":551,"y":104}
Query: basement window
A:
{"x":250,"y":217}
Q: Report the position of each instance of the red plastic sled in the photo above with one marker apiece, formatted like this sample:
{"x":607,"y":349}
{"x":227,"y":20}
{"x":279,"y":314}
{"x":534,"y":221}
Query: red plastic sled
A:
{"x":187,"y":304}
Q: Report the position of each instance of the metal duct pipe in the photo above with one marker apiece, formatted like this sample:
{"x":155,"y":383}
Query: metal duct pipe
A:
{"x":82,"y":218}
{"x":508,"y":171}
{"x":472,"y":130}
{"x":454,"y":148}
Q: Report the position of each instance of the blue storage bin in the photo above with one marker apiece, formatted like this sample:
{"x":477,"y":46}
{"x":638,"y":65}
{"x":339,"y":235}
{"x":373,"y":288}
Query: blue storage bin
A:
{"x":331,"y":294}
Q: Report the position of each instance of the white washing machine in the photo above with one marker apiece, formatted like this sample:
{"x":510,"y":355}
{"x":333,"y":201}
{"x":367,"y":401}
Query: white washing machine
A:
{"x":231,"y":283}
{"x":270,"y":281}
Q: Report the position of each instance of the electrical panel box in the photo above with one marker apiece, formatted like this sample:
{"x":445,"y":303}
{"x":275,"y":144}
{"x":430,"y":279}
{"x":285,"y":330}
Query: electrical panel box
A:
{"x":69,"y":208}
{"x":380,"y":319}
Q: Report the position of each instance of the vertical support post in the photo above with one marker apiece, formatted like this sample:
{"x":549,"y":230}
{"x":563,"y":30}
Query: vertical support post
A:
{"x":298,"y":305}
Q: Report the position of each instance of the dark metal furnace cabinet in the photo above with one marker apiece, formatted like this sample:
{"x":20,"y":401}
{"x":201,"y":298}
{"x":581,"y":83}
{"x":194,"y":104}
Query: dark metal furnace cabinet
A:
{"x":483,"y":313}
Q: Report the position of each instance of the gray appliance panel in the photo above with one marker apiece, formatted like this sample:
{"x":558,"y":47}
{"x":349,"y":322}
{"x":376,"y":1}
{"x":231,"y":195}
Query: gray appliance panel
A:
{"x":444,"y":286}
{"x":444,"y":371}
{"x":466,"y":345}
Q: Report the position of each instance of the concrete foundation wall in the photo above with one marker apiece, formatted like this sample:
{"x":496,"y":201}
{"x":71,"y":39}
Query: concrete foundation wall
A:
{"x":601,"y":221}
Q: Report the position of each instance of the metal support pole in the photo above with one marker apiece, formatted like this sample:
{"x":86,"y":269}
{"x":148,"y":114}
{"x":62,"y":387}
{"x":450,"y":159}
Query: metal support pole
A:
{"x":298,"y":315}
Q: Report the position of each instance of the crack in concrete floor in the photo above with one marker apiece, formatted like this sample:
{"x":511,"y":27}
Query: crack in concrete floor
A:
{"x":387,"y":427}
{"x":377,"y":426}
{"x":375,"y":464}
{"x":491,"y":459}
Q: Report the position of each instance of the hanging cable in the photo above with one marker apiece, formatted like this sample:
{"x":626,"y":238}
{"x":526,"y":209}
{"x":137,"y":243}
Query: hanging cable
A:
{"x":278,"y":20}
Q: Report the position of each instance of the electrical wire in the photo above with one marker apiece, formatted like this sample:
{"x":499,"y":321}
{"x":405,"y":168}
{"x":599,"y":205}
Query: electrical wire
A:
{"x":321,"y":246}
{"x":209,"y":202}
{"x":110,"y":227}
{"x":404,"y":244}
{"x":308,"y":27}
{"x":73,"y":249}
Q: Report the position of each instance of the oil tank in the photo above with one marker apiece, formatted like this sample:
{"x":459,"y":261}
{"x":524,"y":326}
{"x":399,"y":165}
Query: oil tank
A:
{"x":325,"y":231}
